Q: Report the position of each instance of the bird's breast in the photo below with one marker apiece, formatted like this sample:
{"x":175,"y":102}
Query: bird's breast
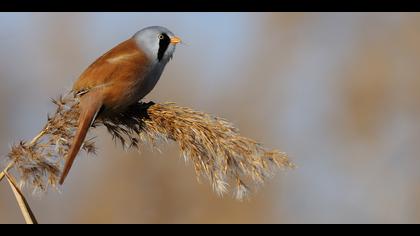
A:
{"x":129,"y":89}
{"x":145,"y":85}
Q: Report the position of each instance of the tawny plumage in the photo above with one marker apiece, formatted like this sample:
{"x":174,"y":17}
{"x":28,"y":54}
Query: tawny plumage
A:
{"x":119,"y":78}
{"x":117,"y":72}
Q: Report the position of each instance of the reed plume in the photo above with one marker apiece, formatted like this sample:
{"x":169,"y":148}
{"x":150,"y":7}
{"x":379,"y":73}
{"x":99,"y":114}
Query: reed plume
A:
{"x":215,"y":147}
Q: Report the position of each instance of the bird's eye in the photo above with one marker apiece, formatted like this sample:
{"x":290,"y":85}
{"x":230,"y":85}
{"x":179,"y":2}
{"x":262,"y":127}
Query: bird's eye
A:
{"x":160,"y":36}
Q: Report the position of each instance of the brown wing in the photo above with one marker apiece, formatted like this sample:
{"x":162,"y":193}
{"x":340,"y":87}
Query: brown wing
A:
{"x":119,"y":67}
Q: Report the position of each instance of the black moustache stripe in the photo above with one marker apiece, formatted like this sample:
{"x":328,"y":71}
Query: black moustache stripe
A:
{"x":163,"y":45}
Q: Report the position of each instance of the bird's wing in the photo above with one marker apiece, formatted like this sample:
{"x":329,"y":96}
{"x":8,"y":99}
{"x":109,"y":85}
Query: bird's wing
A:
{"x":121,"y":64}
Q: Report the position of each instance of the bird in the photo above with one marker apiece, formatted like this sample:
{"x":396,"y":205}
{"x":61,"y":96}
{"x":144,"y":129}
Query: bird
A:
{"x":119,"y":78}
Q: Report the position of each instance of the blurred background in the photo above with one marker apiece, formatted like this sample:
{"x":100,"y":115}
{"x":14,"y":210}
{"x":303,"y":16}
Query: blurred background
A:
{"x":339,"y":92}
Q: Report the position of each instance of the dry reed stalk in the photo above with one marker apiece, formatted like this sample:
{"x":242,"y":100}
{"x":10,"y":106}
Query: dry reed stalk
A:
{"x":214,"y":146}
{"x":3,"y":173}
{"x":23,"y":204}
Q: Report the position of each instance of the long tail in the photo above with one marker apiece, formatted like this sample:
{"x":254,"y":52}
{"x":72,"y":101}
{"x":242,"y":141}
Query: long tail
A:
{"x":90,"y":105}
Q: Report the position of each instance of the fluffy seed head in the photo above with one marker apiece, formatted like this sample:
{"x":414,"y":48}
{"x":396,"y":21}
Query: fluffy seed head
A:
{"x":215,"y":147}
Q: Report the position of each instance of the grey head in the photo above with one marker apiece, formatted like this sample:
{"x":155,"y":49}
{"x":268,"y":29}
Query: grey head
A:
{"x":157,"y":42}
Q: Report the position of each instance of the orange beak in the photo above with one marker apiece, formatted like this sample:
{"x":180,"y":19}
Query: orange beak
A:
{"x":175,"y":40}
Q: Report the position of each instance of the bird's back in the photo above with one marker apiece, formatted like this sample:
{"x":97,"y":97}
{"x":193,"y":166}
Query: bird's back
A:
{"x":116,"y":73}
